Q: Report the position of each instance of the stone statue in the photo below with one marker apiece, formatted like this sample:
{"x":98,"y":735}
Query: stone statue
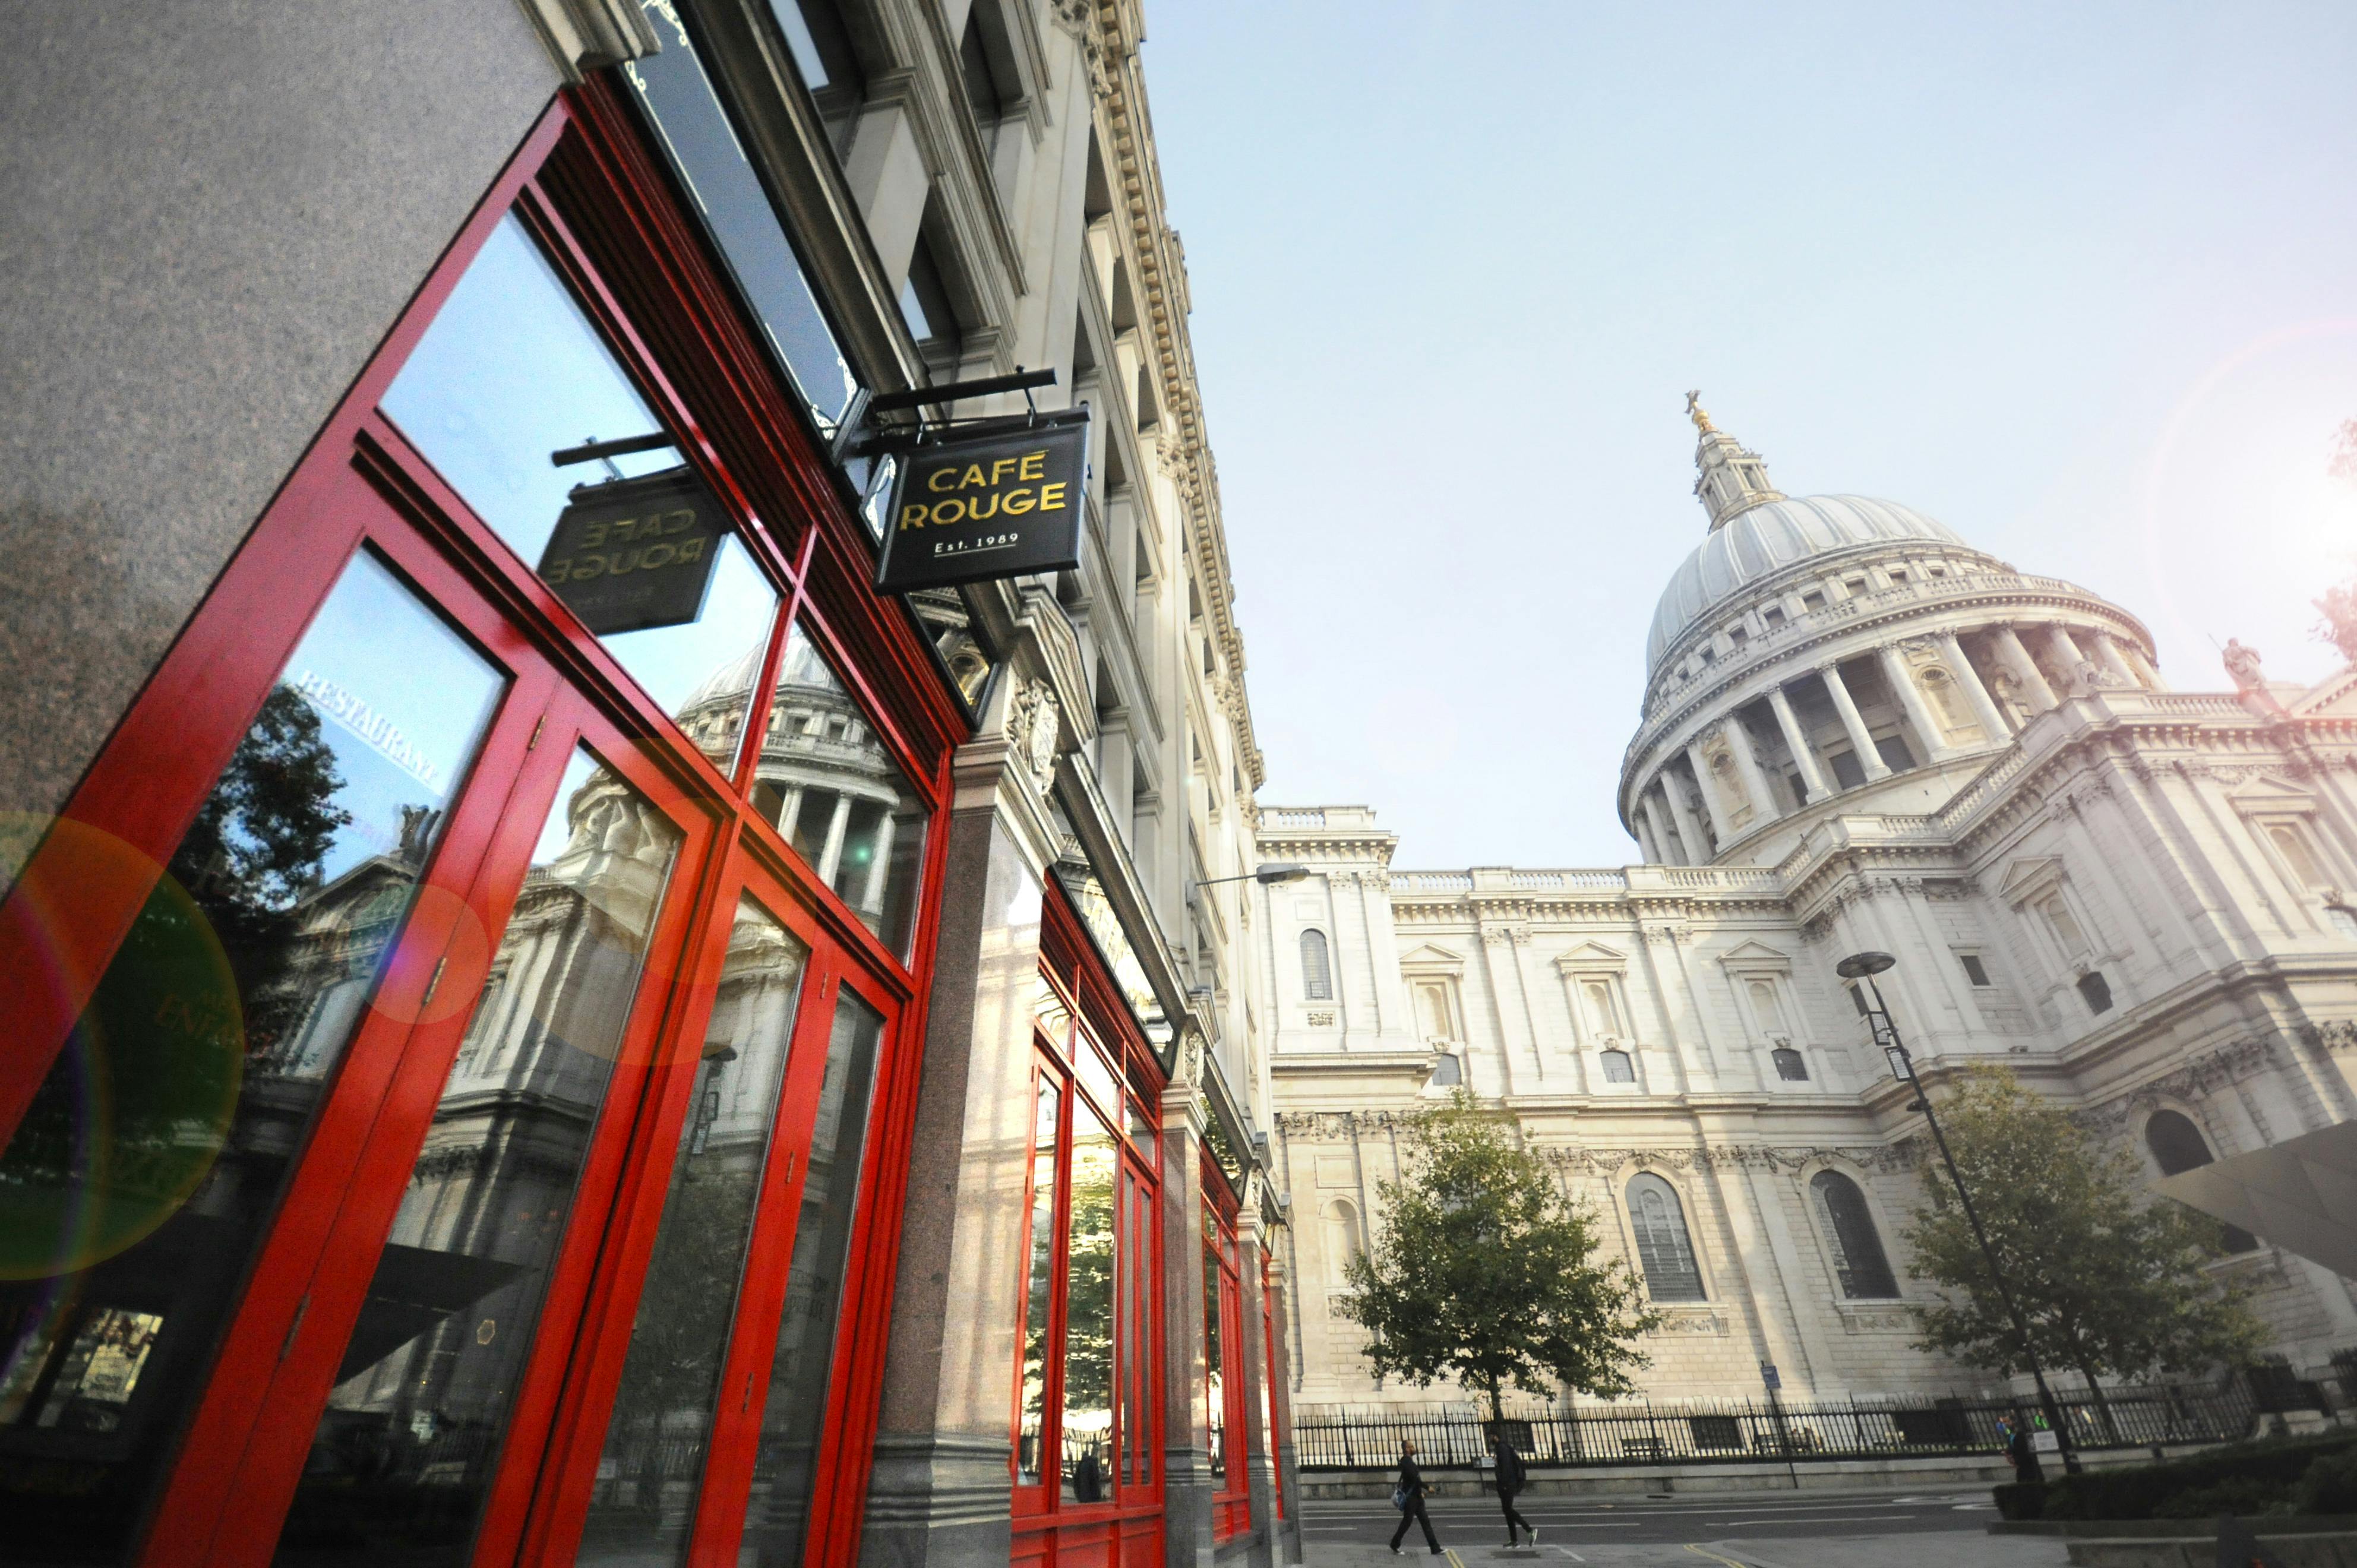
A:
{"x":2007,"y":690}
{"x":2243,"y":664}
{"x":1700,"y":415}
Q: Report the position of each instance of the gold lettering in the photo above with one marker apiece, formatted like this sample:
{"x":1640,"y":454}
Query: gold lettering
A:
{"x":621,"y":563}
{"x":557,"y":572}
{"x":1034,"y":465}
{"x":691,"y":550}
{"x":933,"y":480}
{"x":588,"y":566}
{"x":971,"y":477}
{"x":1051,"y":496}
{"x":974,"y":510}
{"x":998,"y":469}
{"x":941,"y":513}
{"x":685,"y":518}
{"x":593,"y":536}
{"x":655,"y":555}
{"x":914,"y":515}
{"x":1018,"y":502}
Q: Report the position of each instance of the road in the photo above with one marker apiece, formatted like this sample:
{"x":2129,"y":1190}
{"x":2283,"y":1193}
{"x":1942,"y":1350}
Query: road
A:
{"x":1764,"y":1515}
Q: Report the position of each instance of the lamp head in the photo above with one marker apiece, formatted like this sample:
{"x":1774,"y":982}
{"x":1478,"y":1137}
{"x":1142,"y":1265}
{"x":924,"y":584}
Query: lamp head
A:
{"x":1276,"y":871}
{"x":1859,"y":965}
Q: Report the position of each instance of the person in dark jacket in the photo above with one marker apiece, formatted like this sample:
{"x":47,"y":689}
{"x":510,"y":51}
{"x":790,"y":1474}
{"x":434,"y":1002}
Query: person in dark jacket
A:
{"x":1511,"y":1478}
{"x":2022,"y":1451}
{"x":1411,"y":1494}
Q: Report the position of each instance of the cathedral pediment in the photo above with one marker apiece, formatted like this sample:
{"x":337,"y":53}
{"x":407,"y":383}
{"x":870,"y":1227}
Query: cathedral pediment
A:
{"x":2269,"y":794}
{"x":2031,"y":874}
{"x":2333,"y":697}
{"x":1430,"y":960}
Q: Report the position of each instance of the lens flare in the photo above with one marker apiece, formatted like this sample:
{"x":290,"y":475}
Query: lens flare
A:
{"x":136,"y":1108}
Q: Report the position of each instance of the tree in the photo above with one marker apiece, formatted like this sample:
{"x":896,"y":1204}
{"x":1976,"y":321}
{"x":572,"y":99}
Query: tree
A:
{"x":2108,"y":1281}
{"x":1485,"y":1272}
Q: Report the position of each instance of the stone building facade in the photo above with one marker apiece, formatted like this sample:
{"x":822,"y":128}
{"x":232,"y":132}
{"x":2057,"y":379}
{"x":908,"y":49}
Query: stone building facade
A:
{"x":1859,"y":733}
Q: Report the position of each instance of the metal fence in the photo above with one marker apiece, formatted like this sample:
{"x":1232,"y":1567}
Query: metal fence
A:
{"x":1740,"y":1431}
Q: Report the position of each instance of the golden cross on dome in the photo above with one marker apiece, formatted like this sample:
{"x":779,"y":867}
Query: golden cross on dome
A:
{"x":1699,"y":415}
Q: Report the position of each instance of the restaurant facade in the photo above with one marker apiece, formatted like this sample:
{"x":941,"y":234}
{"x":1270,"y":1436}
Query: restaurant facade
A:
{"x":552,"y":1021}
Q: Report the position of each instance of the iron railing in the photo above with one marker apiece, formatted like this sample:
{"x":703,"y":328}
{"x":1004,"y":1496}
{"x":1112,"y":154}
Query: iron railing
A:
{"x":1331,"y":1437}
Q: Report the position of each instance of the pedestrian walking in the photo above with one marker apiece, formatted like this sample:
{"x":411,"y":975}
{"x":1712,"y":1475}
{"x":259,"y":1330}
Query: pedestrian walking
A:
{"x":2019,"y":1448}
{"x":1510,"y":1477}
{"x":1408,"y":1497}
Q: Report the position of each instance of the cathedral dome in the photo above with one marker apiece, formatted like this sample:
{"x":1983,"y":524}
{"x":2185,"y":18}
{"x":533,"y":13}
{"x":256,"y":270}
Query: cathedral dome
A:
{"x":1768,"y":536}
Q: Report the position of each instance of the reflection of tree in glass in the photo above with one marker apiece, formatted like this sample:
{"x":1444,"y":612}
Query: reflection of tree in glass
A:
{"x":160,"y":1039}
{"x":1089,"y":1301}
{"x":682,"y":1330}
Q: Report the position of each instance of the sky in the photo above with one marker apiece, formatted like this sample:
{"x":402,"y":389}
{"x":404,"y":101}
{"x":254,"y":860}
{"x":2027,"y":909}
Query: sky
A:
{"x":2079,"y":281}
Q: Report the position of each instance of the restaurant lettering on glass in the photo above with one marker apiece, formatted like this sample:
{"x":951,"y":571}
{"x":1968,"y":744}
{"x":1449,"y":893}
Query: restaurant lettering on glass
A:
{"x":552,"y":1019}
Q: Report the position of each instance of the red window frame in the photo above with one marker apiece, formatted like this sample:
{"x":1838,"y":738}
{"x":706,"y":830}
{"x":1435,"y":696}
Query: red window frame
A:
{"x":1126,"y":1529}
{"x":1232,"y":1492}
{"x":604,"y":215}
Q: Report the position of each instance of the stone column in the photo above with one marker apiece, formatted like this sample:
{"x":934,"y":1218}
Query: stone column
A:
{"x":1645,"y":845}
{"x":2024,"y":668}
{"x":2107,"y":654}
{"x":1860,"y":742}
{"x":1984,"y":706}
{"x":1796,"y":740}
{"x":1755,"y":778}
{"x":1656,"y":817}
{"x":2148,"y":675}
{"x":1186,"y":1414}
{"x":1911,"y":697}
{"x":1690,"y":835}
{"x":2066,"y":651}
{"x":1280,"y":1379}
{"x":1259,"y":1463}
{"x":1710,"y":801}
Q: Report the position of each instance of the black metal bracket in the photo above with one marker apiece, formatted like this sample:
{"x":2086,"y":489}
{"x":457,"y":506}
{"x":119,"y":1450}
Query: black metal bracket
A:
{"x":1022,"y":380}
{"x":868,"y":439}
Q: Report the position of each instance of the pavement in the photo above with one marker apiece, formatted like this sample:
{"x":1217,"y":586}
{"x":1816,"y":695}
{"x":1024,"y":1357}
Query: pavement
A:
{"x":1764,"y":1529}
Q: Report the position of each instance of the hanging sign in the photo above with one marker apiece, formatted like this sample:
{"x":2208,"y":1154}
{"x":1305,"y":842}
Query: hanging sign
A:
{"x":629,"y":554}
{"x":994,"y":504}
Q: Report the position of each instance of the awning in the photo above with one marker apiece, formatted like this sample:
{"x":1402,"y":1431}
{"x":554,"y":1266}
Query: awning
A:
{"x":2301,"y":1195}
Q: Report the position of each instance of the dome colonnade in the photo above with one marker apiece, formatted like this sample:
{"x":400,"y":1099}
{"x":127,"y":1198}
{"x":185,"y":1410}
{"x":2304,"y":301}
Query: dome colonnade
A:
{"x":1841,"y":646}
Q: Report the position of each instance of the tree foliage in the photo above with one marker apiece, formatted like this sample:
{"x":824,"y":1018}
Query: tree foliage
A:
{"x":2109,"y":1281}
{"x":1484,"y":1271}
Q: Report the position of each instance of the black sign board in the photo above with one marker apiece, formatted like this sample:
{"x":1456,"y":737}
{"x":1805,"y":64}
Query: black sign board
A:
{"x":633,"y":553}
{"x":994,"y":504}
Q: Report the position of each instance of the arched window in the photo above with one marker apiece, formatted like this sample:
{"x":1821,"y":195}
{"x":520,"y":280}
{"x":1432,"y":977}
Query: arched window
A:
{"x":2178,"y":1146}
{"x":2294,"y":847}
{"x":1860,"y":1262}
{"x":1790,"y":1067}
{"x":1618,"y":1068}
{"x":1664,"y":1254}
{"x":1317,"y":972}
{"x":1447,"y":1072}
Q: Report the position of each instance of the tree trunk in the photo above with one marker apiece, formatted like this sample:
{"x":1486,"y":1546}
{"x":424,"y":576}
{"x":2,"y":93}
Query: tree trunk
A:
{"x":2102,"y":1405}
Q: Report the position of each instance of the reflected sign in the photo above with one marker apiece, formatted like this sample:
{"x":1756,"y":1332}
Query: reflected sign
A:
{"x":633,"y":553}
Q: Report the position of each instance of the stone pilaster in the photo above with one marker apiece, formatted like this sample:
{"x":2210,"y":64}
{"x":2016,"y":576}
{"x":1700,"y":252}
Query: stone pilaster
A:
{"x":1259,"y":1460}
{"x":1710,"y":801}
{"x":1287,"y":1477}
{"x":1186,"y":1416}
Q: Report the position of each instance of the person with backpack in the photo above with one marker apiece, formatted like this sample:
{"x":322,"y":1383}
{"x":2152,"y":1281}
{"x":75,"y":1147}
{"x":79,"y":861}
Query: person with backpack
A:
{"x":1408,"y":1497}
{"x":1512,"y":1477}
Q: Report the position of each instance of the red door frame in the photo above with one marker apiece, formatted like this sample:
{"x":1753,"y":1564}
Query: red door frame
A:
{"x":584,"y":183}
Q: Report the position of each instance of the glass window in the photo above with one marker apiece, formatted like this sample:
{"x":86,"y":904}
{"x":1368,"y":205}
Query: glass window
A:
{"x":1038,"y":1292}
{"x":1894,"y":753}
{"x":1086,"y":1433}
{"x":2064,"y":925}
{"x":1858,"y":1261}
{"x":1448,"y":1071}
{"x":133,"y":1214}
{"x":1975,"y":969}
{"x":517,"y":402}
{"x":1316,"y":973}
{"x":821,"y":45}
{"x":655,"y":1441}
{"x":802,"y":1364}
{"x":2296,"y":853}
{"x":1790,"y":1066}
{"x":2096,"y":990}
{"x":693,"y":131}
{"x":1214,"y":1351}
{"x":925,"y":301}
{"x":824,"y":778}
{"x":1618,"y":1068}
{"x":1665,"y":1253}
{"x":2342,"y":920}
{"x":404,"y":1455}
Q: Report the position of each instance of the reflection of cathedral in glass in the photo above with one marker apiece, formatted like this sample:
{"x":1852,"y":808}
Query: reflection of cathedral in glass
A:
{"x":824,"y":778}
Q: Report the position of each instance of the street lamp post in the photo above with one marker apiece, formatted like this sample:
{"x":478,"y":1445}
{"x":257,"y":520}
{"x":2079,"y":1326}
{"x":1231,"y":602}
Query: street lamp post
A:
{"x":1270,"y":874}
{"x":1862,"y":967}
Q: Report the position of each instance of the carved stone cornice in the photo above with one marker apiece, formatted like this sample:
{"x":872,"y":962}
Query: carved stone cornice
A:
{"x":2195,"y":1079}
